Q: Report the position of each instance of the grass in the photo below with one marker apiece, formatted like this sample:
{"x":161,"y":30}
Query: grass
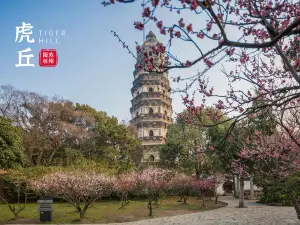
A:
{"x":109,"y":212}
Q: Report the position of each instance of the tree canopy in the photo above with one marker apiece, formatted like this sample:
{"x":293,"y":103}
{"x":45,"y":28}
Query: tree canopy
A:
{"x":11,"y":150}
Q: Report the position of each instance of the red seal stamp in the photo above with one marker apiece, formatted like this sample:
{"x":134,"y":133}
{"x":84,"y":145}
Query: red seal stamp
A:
{"x":48,"y":58}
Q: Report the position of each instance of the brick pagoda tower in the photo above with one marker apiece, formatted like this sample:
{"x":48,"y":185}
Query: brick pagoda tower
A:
{"x":151,"y":109}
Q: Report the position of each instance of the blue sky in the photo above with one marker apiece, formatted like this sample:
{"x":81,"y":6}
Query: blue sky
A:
{"x":93,"y":67}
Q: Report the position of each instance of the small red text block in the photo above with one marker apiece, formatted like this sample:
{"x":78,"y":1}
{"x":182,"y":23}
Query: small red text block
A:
{"x":48,"y":58}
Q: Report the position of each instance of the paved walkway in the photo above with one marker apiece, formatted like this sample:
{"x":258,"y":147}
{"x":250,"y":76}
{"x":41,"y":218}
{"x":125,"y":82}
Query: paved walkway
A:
{"x":254,"y":214}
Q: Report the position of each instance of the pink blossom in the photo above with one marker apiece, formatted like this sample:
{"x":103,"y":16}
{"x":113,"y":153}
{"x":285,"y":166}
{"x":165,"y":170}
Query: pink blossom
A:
{"x":277,"y":149}
{"x":188,"y":63}
{"x":189,"y":28}
{"x":200,"y":35}
{"x":139,"y":25}
{"x":159,"y":24}
{"x":146,"y":12}
{"x":208,"y":62}
{"x":177,"y":34}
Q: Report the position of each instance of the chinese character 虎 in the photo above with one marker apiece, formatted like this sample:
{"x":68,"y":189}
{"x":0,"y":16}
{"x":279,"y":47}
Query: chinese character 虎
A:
{"x":25,"y":31}
{"x":27,"y":57}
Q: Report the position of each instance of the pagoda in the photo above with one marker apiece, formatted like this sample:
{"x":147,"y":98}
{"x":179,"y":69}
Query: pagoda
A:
{"x":151,"y":110}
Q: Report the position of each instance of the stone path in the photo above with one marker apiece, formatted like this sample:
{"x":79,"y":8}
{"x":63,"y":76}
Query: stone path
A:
{"x":254,"y":214}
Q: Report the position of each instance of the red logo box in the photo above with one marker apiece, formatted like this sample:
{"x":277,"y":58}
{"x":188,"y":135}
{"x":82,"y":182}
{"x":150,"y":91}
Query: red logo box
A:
{"x":48,"y":58}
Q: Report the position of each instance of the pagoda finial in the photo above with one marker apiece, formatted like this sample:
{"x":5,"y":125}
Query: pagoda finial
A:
{"x":150,"y":36}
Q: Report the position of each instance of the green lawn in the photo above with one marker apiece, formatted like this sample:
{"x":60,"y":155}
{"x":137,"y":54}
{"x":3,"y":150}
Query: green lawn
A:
{"x":108,"y":211}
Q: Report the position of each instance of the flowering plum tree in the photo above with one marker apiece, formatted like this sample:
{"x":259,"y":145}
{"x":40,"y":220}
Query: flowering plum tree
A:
{"x":276,"y":156}
{"x":80,"y":189}
{"x":216,"y":179}
{"x":123,"y":184}
{"x":152,"y":181}
{"x":19,"y":185}
{"x":259,"y":40}
{"x":203,"y":187}
{"x":183,"y":184}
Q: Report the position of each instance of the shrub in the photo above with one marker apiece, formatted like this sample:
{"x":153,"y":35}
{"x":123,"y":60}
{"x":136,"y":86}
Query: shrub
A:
{"x":276,"y":192}
{"x":7,"y":184}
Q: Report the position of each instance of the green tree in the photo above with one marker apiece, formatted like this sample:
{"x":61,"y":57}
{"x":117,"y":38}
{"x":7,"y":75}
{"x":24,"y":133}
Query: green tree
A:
{"x":229,"y":138}
{"x":187,"y":143}
{"x":169,"y":154}
{"x":11,"y":151}
{"x":116,"y":144}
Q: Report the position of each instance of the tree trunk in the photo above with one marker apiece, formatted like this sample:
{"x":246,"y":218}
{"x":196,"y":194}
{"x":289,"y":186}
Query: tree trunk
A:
{"x":122,"y":200}
{"x":51,"y":157}
{"x":197,"y":174}
{"x":251,"y":188}
{"x":235,"y":186}
{"x":216,"y":195}
{"x":203,"y":201}
{"x":184,"y":199}
{"x":216,"y":199}
{"x":16,"y":216}
{"x":150,"y":208}
{"x":241,"y":199}
{"x":83,"y":211}
{"x":16,"y":210}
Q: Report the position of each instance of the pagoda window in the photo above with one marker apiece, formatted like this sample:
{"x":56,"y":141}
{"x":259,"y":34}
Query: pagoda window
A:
{"x":150,"y":89}
{"x":151,"y":158}
{"x":166,"y":112}
{"x":150,"y":53}
{"x":150,"y":111}
{"x":151,"y":133}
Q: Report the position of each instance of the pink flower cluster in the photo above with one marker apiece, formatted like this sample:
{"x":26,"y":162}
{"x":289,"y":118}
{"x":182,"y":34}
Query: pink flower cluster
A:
{"x":203,"y":185}
{"x":125,"y":182}
{"x":154,"y":179}
{"x":74,"y":186}
{"x":275,"y":155}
